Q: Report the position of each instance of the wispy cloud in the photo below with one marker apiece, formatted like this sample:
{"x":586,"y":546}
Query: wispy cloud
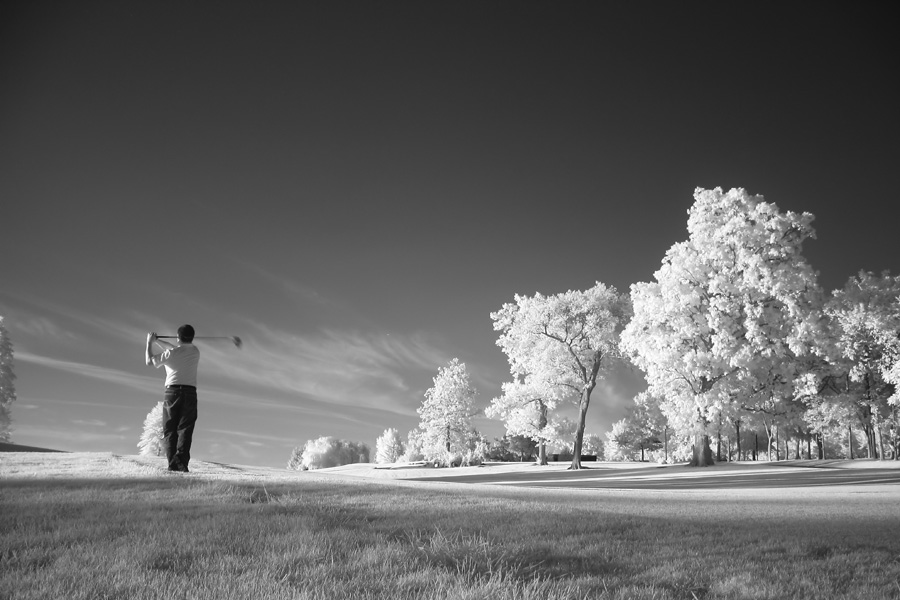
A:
{"x":250,"y":438}
{"x":137,"y":382}
{"x":89,"y":422}
{"x":40,"y":322}
{"x":43,"y":327}
{"x":381,"y":371}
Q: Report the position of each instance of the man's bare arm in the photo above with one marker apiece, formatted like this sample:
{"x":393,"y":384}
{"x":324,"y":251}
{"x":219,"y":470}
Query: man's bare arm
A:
{"x":152,"y":339}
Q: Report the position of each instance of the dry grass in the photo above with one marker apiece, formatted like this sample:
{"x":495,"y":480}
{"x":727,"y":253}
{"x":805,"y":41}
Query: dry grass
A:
{"x":100,"y":526}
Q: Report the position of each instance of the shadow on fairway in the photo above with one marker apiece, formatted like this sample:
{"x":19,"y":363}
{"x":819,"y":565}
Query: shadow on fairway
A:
{"x":687,"y":478}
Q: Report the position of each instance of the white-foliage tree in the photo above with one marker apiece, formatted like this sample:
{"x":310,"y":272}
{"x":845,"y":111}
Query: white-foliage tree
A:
{"x":561,"y":436}
{"x":730,"y":311}
{"x":619,"y":443}
{"x":446,"y":414}
{"x":328,"y":451}
{"x":475,"y":450}
{"x":525,"y":408}
{"x":295,"y":462}
{"x":7,"y":383}
{"x":151,"y":442}
{"x":415,"y":446}
{"x":562,"y":343}
{"x":861,"y":347}
{"x":593,"y":446}
{"x":389,"y":447}
{"x":639,"y":433}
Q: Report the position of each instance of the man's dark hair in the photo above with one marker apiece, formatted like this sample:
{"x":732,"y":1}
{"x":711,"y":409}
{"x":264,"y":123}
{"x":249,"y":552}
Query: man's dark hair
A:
{"x":186,"y":333}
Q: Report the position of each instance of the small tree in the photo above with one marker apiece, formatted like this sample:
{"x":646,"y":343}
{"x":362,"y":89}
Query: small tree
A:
{"x":525,"y":408}
{"x":620,"y":441}
{"x":388,"y":447}
{"x":593,"y":446}
{"x":562,"y":437}
{"x":446,"y":413}
{"x":295,"y":462}
{"x":7,"y":385}
{"x":151,"y":442}
{"x":415,"y":446}
{"x":522,"y":447}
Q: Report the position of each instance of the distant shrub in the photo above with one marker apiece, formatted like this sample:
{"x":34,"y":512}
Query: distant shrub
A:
{"x":326,"y":452}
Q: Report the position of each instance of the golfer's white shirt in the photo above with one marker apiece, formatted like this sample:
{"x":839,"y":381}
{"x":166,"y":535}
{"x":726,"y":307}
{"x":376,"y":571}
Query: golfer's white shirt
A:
{"x":180,"y":363}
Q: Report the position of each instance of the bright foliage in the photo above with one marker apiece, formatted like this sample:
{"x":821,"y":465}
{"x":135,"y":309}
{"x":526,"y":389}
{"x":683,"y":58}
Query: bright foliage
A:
{"x":151,"y":442}
{"x":389,"y":447}
{"x":730,"y":311}
{"x":326,"y":452}
{"x":7,"y":383}
{"x":557,"y":346}
{"x":446,"y":414}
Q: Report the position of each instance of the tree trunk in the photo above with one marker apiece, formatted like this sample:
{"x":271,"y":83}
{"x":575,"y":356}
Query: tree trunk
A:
{"x":870,"y":423}
{"x":850,"y":439}
{"x":769,"y":433}
{"x":542,"y":453}
{"x":737,"y":435}
{"x":542,"y":422}
{"x":579,"y":432}
{"x":702,"y":452}
{"x":777,"y":444}
{"x":666,"y":442}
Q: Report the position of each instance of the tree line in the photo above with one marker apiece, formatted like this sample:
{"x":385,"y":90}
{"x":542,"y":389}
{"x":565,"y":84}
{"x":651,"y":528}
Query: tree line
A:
{"x":734,"y":336}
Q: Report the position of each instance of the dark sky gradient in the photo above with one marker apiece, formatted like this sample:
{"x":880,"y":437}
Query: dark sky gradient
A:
{"x":354,"y":187}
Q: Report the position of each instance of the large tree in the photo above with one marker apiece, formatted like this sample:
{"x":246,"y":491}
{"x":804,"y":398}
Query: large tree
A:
{"x":729,"y":311}
{"x":562,"y":343}
{"x":446,"y":413}
{"x":7,"y":383}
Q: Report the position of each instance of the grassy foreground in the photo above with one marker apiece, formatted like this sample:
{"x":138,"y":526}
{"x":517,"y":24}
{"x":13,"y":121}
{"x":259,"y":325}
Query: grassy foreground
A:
{"x":171,"y":536}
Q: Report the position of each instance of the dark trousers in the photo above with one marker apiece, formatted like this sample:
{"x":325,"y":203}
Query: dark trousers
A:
{"x":179,"y":416}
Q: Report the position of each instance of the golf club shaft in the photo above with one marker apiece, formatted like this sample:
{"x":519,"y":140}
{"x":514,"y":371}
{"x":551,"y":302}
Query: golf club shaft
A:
{"x":199,"y":337}
{"x":233,"y":339}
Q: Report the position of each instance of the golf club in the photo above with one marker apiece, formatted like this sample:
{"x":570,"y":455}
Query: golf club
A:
{"x":234,"y":339}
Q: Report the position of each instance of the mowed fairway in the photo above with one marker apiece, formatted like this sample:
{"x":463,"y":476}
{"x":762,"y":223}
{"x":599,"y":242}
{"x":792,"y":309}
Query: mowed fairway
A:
{"x":106,"y":526}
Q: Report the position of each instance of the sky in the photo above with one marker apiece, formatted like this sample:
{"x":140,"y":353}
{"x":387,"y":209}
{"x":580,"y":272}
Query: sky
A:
{"x":353,"y":187}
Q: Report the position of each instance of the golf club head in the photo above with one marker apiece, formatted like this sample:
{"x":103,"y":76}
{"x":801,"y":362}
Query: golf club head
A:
{"x":237,"y":342}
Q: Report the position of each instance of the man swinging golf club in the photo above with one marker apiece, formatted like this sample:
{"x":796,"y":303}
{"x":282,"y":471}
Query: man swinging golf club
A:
{"x":180,"y":404}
